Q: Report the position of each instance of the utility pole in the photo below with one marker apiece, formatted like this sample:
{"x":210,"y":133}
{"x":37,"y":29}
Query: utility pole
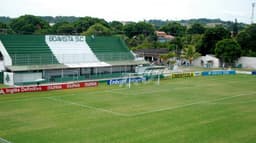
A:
{"x":253,"y":6}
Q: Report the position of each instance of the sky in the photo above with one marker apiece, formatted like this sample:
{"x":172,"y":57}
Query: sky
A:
{"x":132,"y":10}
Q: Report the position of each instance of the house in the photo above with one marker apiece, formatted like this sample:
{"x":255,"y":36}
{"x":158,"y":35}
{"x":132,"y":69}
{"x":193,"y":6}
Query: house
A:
{"x":151,"y":54}
{"x":163,"y":37}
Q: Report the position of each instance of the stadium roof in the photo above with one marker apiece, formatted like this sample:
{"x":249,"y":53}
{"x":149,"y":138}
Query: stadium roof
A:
{"x":62,"y":66}
{"x":36,"y":67}
{"x":119,"y":63}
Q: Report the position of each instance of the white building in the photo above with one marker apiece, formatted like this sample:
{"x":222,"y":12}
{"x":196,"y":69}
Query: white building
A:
{"x":247,"y":62}
{"x":208,"y":61}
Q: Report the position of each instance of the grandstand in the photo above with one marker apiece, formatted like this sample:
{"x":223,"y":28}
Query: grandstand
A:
{"x":27,"y":59}
{"x":103,"y":47}
{"x":28,"y":50}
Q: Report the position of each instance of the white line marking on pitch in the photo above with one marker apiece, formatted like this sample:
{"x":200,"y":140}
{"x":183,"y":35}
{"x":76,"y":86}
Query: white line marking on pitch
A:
{"x":27,"y":98}
{"x":166,"y":109}
{"x":230,"y":97}
{"x":87,"y":106}
{"x":240,"y":102}
{"x":136,"y":114}
{"x":4,"y":140}
{"x":148,"y":112}
{"x":190,"y":104}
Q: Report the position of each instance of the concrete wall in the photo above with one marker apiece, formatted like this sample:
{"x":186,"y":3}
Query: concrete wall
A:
{"x":247,"y":62}
{"x":2,"y":67}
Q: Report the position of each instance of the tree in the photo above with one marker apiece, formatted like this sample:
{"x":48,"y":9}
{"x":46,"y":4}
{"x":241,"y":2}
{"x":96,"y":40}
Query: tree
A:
{"x":174,"y":28}
{"x":228,"y":50}
{"x":140,"y":35}
{"x":98,"y":30}
{"x":29,"y":24}
{"x":5,"y":29}
{"x":117,"y":27}
{"x":3,"y":25}
{"x":190,"y":53}
{"x":179,"y":44}
{"x":210,"y":38}
{"x":63,"y":28}
{"x":196,"y":28}
{"x":193,"y":39}
{"x":166,"y":57}
{"x":247,"y":40}
{"x":144,"y":28}
{"x":84,"y":23}
{"x":130,"y":30}
{"x":134,"y":29}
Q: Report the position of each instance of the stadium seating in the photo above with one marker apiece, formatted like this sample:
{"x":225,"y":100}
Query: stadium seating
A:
{"x":109,"y":48}
{"x":36,"y":50}
{"x":28,"y":49}
{"x":71,"y":51}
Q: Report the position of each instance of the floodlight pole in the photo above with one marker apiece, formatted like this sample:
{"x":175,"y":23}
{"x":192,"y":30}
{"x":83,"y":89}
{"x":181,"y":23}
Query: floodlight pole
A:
{"x":252,"y":17}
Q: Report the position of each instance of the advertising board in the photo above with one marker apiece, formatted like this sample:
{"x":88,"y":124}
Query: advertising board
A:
{"x":47,"y":87}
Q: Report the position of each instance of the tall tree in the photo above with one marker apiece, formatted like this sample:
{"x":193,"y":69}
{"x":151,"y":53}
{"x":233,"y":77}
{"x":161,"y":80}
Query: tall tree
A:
{"x":228,"y":50}
{"x":211,"y":37}
{"x":29,"y":24}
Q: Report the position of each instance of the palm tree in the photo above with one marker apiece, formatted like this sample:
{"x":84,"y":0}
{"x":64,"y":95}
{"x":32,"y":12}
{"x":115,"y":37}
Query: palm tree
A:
{"x":166,"y":57}
{"x":190,"y":53}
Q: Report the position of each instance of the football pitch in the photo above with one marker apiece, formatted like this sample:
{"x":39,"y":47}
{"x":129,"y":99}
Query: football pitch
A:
{"x":217,"y":109}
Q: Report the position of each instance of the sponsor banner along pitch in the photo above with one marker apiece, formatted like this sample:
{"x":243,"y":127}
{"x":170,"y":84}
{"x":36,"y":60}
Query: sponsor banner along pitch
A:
{"x":47,"y":87}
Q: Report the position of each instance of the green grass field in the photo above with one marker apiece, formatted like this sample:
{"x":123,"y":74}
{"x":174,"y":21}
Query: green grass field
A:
{"x":219,"y":109}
